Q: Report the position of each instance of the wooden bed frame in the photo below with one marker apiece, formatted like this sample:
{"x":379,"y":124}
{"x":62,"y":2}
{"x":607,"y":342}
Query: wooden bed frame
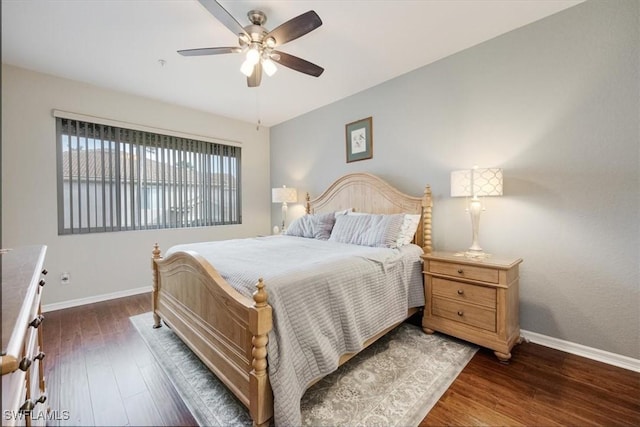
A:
{"x":228,"y":331}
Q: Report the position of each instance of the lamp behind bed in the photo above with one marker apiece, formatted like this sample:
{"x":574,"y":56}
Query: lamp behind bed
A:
{"x":284,"y":195}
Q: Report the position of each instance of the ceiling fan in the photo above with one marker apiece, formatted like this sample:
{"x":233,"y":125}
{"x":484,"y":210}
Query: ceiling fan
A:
{"x":260,"y":44}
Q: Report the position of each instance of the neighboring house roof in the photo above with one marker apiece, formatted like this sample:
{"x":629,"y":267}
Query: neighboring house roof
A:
{"x":96,"y":165}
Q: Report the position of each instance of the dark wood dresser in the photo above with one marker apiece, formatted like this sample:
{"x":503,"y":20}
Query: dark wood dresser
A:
{"x":23,"y":385}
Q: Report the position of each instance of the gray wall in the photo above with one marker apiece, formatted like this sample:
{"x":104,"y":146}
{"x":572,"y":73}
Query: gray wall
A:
{"x":556,"y":105}
{"x":104,"y":263}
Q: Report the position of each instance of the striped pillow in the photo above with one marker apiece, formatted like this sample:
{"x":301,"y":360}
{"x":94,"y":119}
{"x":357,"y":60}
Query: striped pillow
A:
{"x":316,"y":226}
{"x":368,"y":230}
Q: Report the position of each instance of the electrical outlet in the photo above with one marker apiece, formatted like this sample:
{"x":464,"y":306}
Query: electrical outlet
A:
{"x":65,"y":278}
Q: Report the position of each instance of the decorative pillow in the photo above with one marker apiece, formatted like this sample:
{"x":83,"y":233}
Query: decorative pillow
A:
{"x":408,"y":229}
{"x":316,"y":226}
{"x":367,"y":230}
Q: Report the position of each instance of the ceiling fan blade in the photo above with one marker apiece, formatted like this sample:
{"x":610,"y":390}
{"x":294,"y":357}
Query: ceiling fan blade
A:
{"x":221,"y":14}
{"x":256,"y":77}
{"x":297,"y":64}
{"x":209,"y":51}
{"x":295,"y":27}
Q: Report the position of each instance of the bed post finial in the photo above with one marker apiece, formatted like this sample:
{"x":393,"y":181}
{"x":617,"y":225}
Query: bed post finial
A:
{"x":260,"y":295}
{"x":307,"y":204}
{"x":427,"y":205}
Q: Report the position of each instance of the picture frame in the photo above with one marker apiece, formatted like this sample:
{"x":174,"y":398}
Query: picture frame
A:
{"x":359,"y":140}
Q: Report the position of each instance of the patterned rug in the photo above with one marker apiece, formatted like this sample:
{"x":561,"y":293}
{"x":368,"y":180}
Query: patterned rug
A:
{"x":394,"y":382}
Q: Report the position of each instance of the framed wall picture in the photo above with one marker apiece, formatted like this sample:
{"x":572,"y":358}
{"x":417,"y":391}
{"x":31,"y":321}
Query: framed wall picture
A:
{"x":359,"y":137}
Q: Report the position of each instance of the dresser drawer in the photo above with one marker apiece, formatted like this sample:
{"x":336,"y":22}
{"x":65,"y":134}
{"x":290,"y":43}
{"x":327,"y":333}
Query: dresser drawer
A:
{"x":482,"y":274}
{"x":464,"y":292}
{"x":468,"y":314}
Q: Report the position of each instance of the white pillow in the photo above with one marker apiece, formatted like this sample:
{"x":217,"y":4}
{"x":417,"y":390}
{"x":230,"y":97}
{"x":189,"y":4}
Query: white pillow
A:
{"x":344,"y":212}
{"x":408,"y":229}
{"x":367,"y":230}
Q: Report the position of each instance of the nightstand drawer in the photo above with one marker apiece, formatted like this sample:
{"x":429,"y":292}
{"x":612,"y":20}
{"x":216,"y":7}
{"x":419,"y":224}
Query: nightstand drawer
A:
{"x":464,"y":292}
{"x":464,"y":313}
{"x":489,"y":275}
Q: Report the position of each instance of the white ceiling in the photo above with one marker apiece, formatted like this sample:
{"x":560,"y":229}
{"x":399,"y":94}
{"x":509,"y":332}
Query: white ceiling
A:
{"x":117,"y":44}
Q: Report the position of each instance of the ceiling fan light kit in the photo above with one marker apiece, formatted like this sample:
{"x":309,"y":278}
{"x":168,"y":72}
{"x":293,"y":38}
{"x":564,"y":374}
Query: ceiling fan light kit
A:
{"x":269,"y":67}
{"x":259,"y":44}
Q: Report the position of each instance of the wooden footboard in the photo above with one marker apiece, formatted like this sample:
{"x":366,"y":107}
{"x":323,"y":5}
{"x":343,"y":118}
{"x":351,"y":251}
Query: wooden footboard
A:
{"x":228,"y":331}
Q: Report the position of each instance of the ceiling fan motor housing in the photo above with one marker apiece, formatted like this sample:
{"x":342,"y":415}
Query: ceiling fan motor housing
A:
{"x":256,"y":33}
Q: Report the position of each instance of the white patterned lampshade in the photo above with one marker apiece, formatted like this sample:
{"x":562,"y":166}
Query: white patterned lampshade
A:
{"x":284,"y":194}
{"x":487,"y":182}
{"x":476,"y":182}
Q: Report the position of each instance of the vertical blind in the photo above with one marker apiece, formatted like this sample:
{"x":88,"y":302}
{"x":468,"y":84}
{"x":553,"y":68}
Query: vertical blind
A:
{"x":116,"y":179}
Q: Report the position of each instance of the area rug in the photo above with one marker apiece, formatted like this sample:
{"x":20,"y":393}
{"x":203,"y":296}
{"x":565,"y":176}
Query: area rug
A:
{"x":394,"y":382}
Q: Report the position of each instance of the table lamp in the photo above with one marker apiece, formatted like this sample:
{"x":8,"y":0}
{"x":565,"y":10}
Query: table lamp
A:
{"x":284,"y":195}
{"x":476,"y":183}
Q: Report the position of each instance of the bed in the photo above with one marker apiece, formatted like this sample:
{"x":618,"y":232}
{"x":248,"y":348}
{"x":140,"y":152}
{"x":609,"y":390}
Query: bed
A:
{"x":230,"y":330}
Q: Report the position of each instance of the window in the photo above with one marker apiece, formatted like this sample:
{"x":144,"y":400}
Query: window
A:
{"x":115,"y":179}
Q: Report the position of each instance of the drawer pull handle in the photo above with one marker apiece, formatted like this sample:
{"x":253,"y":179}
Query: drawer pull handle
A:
{"x":460,"y":292}
{"x":44,"y":271}
{"x":40,"y":356}
{"x":25,"y":364}
{"x":41,"y":282}
{"x":37,"y":321}
{"x":460,"y":313}
{"x":460,"y":271}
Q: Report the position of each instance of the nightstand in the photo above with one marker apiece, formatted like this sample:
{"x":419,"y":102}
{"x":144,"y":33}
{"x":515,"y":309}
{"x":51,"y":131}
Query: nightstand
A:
{"x":473,"y":299}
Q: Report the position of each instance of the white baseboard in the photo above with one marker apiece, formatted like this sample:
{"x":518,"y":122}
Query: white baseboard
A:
{"x":584,"y":351}
{"x":98,"y":298}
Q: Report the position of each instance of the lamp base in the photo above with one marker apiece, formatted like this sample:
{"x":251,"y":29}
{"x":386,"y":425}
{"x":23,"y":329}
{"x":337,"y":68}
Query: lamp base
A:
{"x":473,"y":254}
{"x":476,"y":254}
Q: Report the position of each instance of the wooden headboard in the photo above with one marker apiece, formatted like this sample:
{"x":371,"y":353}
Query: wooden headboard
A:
{"x":364,"y":192}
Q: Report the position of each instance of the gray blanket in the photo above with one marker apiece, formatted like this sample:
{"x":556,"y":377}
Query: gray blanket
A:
{"x":327,"y":298}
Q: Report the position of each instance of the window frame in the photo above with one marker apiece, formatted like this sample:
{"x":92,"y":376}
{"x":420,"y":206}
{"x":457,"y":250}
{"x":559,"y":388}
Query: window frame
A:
{"x":197,"y":180}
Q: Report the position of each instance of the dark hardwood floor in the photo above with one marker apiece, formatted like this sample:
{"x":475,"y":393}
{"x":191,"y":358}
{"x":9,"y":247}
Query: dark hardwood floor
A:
{"x":100,"y":372}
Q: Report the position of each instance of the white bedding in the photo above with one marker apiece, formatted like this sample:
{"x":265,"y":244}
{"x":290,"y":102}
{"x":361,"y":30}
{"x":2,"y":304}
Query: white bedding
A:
{"x":327,"y":298}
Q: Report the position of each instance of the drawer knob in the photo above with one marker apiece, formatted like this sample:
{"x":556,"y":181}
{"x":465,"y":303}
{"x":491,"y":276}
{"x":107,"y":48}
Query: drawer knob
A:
{"x":460,"y":313}
{"x":25,"y":363}
{"x":460,"y":271}
{"x":460,"y":292}
{"x":37,"y":321}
